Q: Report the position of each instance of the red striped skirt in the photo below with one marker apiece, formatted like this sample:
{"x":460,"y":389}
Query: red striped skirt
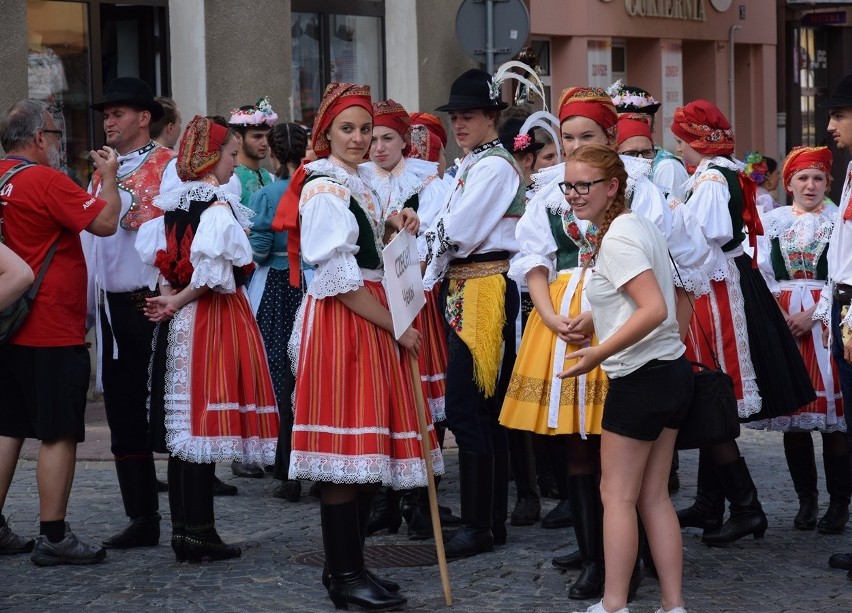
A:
{"x":433,"y":353}
{"x":721,"y":316}
{"x":355,"y":419}
{"x":219,"y":399}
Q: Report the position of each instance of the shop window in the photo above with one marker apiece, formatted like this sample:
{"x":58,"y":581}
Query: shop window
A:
{"x":619,"y":60}
{"x":75,"y":48}
{"x":335,"y":40}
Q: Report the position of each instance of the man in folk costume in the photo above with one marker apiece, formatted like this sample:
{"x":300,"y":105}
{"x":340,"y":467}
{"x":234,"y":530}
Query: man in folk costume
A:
{"x":834,"y":305}
{"x":253,"y":124}
{"x":117,"y":276}
{"x":480,"y":307}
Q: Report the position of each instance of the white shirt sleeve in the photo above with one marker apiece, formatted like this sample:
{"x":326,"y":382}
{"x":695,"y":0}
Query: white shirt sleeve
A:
{"x":219,"y":244}
{"x":431,"y":200}
{"x":150,"y":239}
{"x":670,"y":175}
{"x":648,"y":201}
{"x":329,"y":235}
{"x":537,"y":246}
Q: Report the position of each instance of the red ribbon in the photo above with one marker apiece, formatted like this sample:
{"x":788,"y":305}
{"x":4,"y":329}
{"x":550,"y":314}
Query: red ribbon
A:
{"x":751,"y":218}
{"x":287,"y":218}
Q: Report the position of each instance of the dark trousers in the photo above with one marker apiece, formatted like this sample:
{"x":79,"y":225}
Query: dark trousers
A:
{"x":844,"y":368}
{"x":125,"y":379}
{"x":470,"y":415}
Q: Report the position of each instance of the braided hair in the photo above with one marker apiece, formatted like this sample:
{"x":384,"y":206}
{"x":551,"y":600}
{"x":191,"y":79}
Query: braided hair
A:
{"x":288,"y":142}
{"x":606,"y":160}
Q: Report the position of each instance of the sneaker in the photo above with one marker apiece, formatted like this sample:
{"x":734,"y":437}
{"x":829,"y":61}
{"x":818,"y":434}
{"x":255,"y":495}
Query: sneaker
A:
{"x":674,"y":610}
{"x":69,"y":550}
{"x":11,"y":543}
{"x":599,"y":608}
{"x":221,"y":488}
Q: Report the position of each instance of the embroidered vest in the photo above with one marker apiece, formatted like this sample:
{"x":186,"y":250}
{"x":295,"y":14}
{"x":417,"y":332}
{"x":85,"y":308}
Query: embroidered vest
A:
{"x":567,"y":252}
{"x":516,"y":208}
{"x":368,"y":255}
{"x":143,"y":185}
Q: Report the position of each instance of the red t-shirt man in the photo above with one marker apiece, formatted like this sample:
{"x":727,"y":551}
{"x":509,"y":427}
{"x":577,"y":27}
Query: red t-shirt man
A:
{"x":39,"y":205}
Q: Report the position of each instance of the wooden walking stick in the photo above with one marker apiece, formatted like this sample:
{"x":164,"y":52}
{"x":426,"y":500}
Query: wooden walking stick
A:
{"x":425,"y":448}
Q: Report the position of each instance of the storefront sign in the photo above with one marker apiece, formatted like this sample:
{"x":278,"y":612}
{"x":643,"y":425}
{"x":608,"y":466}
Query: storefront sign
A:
{"x":688,"y":10}
{"x":671,"y":55}
{"x":835,"y":18}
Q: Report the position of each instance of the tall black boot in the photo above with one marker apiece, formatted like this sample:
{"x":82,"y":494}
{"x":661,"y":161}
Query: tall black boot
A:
{"x":500,"y":504}
{"x":747,"y":516}
{"x":349,"y":582}
{"x":527,"y":509}
{"x":175,"y":477}
{"x":417,"y":514}
{"x":385,"y":513}
{"x":585,"y":496}
{"x":364,"y":500}
{"x":709,"y":506}
{"x":137,"y":480}
{"x":476,"y":481}
{"x":838,"y":482}
{"x":201,"y":539}
{"x":800,"y":461}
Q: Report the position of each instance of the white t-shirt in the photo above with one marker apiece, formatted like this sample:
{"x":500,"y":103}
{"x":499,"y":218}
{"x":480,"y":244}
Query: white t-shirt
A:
{"x":631,"y":246}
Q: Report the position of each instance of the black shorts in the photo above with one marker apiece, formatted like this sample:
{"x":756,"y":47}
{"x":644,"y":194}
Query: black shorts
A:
{"x":653,"y":397}
{"x":43,"y":392}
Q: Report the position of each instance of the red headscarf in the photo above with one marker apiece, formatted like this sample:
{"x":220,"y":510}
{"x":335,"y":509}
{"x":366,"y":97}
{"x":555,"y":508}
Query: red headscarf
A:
{"x":200,"y":148}
{"x":337,"y":98}
{"x":702,"y":126}
{"x":803,"y":158}
{"x":633,"y":124}
{"x":390,"y":114}
{"x":428,"y":136}
{"x":593,"y":103}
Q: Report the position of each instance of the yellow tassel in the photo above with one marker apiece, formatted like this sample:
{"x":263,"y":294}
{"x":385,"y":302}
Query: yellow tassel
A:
{"x":482,"y":332}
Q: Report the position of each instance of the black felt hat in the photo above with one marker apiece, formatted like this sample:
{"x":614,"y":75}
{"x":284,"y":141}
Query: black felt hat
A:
{"x":474,"y":90}
{"x":842,"y":95}
{"x":132,"y":92}
{"x":632,"y":99}
{"x":508,"y":133}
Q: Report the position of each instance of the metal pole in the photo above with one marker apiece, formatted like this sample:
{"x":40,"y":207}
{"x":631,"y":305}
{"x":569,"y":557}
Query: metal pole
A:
{"x":489,"y":36}
{"x":731,"y":85}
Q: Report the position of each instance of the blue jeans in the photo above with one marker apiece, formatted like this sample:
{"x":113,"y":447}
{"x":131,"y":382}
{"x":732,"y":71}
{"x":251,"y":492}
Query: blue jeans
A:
{"x":844,"y":368}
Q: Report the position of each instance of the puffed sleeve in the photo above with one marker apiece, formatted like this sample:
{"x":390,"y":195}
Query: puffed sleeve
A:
{"x":772,"y":224}
{"x":709,"y":205}
{"x":670,"y":175}
{"x":648,"y":201}
{"x":150,"y":239}
{"x":219,"y":244}
{"x":329,"y":235}
{"x":261,"y":236}
{"x":432,"y":198}
{"x":689,"y":251}
{"x":537,"y":246}
{"x":489,"y":189}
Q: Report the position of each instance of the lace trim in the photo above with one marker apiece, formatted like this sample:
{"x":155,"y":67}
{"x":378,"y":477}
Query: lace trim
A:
{"x":437,"y":406}
{"x":522,"y":264}
{"x":178,"y":412}
{"x":694,"y":281}
{"x":335,"y":189}
{"x":545,"y":176}
{"x":723,"y":162}
{"x":198,"y":191}
{"x":823,"y":310}
{"x":337,"y":275}
{"x":396,"y":187}
{"x":396,"y":473}
{"x":217,"y":274}
{"x":807,"y":422}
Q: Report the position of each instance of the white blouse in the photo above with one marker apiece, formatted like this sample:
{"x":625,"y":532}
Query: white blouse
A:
{"x":219,"y":243}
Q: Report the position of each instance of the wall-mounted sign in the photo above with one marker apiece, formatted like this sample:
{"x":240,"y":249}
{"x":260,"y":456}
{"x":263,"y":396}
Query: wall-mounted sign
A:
{"x":687,"y":10}
{"x":834,"y":18}
{"x":671,"y":55}
{"x":599,"y":53}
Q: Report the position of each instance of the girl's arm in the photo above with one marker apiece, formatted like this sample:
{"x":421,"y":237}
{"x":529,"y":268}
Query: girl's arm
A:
{"x":363,"y":303}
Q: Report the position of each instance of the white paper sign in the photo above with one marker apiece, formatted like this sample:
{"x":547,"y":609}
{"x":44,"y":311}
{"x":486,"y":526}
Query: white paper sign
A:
{"x":403,"y":282}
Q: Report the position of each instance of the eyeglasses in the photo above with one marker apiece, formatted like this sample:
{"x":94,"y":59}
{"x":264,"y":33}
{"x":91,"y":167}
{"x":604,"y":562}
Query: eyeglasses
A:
{"x":582,"y":188}
{"x":648,"y":154}
{"x":57,"y":132}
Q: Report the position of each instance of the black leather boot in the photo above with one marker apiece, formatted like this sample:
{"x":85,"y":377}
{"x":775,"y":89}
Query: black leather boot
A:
{"x":747,"y":516}
{"x":585,"y":496}
{"x":802,"y":466}
{"x":385,"y":513}
{"x":571,"y":561}
{"x":364,"y":501}
{"x":349,"y":582}
{"x":417,"y":514}
{"x":527,"y":509}
{"x":838,"y":482}
{"x":138,"y":482}
{"x":476,"y":480}
{"x":709,"y":506}
{"x":500,"y":504}
{"x":201,"y":541}
{"x":175,"y":476}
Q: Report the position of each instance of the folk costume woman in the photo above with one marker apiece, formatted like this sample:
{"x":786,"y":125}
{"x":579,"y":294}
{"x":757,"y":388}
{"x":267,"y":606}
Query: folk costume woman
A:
{"x":355,"y":425}
{"x":469,"y":260}
{"x":274,"y":300}
{"x":744,"y":327}
{"x":554,"y":245}
{"x":211,"y":397}
{"x":793,"y":259}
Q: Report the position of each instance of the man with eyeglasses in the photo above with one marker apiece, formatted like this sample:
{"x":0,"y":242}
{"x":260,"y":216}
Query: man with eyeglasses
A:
{"x":44,"y":368}
{"x":636,"y":110}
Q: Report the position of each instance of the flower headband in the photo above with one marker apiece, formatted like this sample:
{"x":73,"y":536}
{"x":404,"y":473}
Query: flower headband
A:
{"x":260,"y":115}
